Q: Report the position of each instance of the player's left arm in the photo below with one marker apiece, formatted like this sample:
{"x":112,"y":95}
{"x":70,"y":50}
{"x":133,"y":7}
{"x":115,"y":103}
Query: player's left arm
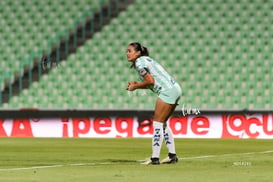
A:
{"x":148,"y":80}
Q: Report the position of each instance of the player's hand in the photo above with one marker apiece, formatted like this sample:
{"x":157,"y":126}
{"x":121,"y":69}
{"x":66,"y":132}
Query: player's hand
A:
{"x":131,"y":86}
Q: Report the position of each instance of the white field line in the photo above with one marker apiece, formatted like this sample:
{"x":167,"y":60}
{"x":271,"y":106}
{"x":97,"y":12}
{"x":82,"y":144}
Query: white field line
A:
{"x":109,"y":163}
{"x":54,"y":166}
{"x":219,"y":155}
{"x":226,"y":155}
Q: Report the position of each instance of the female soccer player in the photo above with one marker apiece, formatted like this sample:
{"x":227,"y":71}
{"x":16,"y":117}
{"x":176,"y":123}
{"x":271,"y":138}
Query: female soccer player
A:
{"x":155,"y":77}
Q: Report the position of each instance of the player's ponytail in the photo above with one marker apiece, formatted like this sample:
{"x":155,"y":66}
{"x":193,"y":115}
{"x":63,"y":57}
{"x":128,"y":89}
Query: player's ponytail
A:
{"x":144,"y":51}
{"x":138,"y":47}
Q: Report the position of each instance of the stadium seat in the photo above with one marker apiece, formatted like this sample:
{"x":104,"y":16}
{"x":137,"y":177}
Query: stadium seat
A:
{"x":28,"y":26}
{"x":218,"y":51}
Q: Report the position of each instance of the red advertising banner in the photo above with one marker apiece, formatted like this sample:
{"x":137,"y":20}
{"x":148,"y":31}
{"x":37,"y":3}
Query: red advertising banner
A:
{"x":258,"y":126}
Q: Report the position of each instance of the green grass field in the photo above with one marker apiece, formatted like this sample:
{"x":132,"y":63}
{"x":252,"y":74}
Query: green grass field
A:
{"x":67,"y":160}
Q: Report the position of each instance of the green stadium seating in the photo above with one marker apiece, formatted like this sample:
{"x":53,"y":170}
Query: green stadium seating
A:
{"x":27,"y":26}
{"x":218,"y":51}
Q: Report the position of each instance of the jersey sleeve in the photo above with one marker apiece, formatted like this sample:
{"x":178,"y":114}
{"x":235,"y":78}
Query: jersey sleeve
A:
{"x":141,"y":66}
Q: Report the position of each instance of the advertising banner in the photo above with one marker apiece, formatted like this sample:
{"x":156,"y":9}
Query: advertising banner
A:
{"x":258,"y":126}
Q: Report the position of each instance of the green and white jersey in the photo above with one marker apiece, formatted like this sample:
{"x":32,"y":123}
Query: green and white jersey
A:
{"x":163,"y":80}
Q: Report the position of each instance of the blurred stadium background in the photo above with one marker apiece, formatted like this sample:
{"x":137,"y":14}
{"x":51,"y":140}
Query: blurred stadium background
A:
{"x":72,"y":54}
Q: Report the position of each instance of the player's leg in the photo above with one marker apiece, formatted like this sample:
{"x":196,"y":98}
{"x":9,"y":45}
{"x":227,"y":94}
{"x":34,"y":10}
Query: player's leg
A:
{"x":165,"y":105}
{"x":174,"y":97}
{"x":162,"y":111}
{"x":168,"y":135}
{"x":169,"y":141}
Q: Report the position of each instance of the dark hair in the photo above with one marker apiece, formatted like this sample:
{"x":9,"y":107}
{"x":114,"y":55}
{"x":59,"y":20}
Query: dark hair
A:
{"x":138,"y":47}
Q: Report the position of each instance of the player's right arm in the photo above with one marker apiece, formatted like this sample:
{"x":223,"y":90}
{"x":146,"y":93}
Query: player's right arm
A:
{"x":148,"y":81}
{"x":144,"y":72}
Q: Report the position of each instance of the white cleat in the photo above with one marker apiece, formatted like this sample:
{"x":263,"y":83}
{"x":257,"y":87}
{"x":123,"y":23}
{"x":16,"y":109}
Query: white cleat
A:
{"x":153,"y":161}
{"x":169,"y":160}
